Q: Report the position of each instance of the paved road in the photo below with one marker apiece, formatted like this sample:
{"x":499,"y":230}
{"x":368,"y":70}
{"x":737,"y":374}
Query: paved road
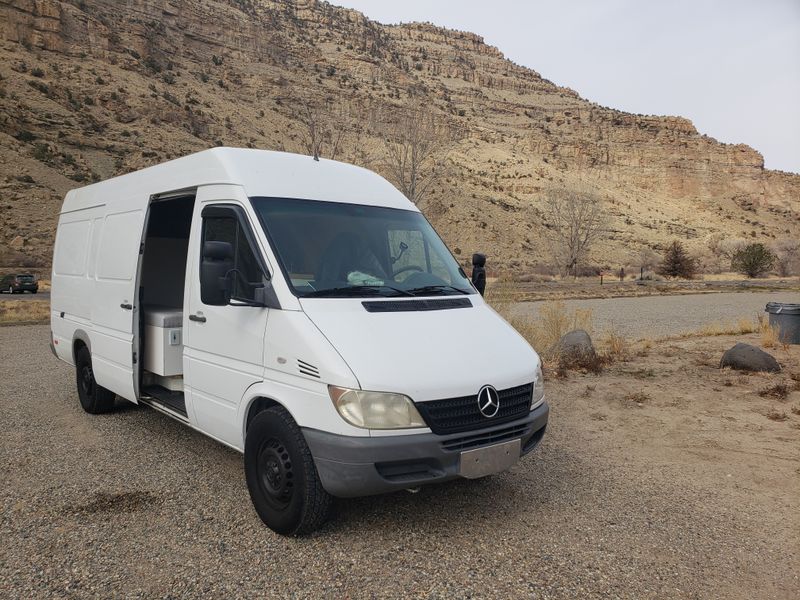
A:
{"x":25,"y":296}
{"x":659,"y":316}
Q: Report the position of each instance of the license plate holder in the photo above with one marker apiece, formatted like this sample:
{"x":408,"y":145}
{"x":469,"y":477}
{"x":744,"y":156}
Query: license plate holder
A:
{"x":490,"y":459}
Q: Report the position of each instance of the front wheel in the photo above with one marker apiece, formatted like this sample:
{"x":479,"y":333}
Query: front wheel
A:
{"x":281,"y":476}
{"x":94,"y":399}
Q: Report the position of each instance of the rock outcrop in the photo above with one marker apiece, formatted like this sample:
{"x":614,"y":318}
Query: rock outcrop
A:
{"x":94,"y":88}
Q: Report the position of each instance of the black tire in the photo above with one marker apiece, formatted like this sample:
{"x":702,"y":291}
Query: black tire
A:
{"x":281,"y":476}
{"x":94,"y":399}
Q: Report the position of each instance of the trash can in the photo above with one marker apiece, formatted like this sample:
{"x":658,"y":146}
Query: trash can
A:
{"x":786,"y":317}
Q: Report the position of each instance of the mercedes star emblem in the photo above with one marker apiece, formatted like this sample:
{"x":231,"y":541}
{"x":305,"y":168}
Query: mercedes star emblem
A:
{"x":488,"y":401}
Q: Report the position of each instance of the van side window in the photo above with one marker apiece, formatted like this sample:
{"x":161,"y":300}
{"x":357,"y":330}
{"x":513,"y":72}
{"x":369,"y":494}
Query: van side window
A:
{"x":250,"y":276}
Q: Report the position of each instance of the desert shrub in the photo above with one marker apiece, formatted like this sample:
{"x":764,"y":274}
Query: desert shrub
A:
{"x":754,"y":260}
{"x":25,"y":136}
{"x":37,"y":72}
{"x":779,"y":390}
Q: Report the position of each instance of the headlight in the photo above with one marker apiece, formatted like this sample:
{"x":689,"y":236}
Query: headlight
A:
{"x":375,"y":410}
{"x":538,"y":386}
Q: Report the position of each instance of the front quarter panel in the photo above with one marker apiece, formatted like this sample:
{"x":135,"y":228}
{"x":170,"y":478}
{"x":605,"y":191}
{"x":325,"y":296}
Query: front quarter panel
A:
{"x":291,"y":337}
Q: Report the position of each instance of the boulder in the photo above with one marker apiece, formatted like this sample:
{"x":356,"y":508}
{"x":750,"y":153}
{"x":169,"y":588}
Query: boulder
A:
{"x":575,"y":349}
{"x":744,"y":357}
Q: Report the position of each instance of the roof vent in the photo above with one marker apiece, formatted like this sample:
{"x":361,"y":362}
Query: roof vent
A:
{"x":307,"y":368}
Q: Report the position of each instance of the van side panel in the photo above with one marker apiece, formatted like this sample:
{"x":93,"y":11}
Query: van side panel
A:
{"x":72,"y":276}
{"x":114,"y":291}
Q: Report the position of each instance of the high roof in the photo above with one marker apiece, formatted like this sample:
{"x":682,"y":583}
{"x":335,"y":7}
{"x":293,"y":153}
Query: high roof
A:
{"x":259,"y":172}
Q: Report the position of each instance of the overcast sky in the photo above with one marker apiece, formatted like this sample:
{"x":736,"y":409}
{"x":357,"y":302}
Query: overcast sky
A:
{"x":731,"y":66}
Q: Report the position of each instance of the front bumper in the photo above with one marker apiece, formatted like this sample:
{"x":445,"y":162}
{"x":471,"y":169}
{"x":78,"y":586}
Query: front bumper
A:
{"x":361,"y":466}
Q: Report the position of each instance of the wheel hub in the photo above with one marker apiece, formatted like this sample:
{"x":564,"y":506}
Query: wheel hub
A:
{"x":276,"y":475}
{"x":86,"y":379}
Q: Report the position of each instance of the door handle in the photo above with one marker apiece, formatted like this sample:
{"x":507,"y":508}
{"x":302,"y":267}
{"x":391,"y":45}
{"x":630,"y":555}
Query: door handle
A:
{"x":198,"y":318}
{"x":126,"y":306}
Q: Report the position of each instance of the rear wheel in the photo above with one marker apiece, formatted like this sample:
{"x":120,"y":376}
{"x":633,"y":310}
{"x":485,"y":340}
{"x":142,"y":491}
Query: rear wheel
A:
{"x":94,"y":399}
{"x":281,"y":476}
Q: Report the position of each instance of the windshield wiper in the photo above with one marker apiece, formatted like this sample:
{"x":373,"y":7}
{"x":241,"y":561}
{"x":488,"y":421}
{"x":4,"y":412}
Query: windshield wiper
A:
{"x":356,"y":290}
{"x":428,"y":289}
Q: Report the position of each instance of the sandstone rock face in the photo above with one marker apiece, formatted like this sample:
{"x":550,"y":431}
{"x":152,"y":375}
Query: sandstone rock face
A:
{"x":744,"y":357}
{"x":96,"y":88}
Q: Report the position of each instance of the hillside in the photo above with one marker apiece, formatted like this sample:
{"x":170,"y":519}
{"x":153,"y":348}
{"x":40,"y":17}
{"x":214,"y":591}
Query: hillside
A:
{"x":95,"y":88}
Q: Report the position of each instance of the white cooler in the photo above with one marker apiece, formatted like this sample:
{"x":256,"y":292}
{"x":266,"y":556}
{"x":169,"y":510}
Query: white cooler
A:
{"x":163,"y":340}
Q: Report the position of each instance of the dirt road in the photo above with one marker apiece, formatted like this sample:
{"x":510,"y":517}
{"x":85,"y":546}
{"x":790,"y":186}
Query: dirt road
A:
{"x":660,"y":316}
{"x":661,"y":478}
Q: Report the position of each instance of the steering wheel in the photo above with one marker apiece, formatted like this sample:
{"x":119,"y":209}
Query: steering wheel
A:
{"x":407,"y":268}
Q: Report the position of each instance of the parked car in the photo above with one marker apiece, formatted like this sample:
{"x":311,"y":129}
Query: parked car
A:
{"x":18,"y":283}
{"x":303,"y":312}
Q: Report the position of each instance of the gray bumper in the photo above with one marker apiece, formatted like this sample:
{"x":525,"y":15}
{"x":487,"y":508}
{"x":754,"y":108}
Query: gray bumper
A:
{"x":361,"y":466}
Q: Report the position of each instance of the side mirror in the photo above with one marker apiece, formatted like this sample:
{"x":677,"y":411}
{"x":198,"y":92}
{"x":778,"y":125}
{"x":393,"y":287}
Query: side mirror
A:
{"x":215,"y":264}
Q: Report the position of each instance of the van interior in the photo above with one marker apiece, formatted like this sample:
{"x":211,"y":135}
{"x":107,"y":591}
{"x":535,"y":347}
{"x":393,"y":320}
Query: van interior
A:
{"x":162,"y":279}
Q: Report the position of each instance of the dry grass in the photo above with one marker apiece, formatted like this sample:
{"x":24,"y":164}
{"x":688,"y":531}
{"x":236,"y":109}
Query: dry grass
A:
{"x":770,"y":337}
{"x":779,"y":390}
{"x":24,"y":311}
{"x":638,"y":398}
{"x":777,"y":415}
{"x":615,"y":346}
{"x":543,"y":331}
{"x":742,"y":326}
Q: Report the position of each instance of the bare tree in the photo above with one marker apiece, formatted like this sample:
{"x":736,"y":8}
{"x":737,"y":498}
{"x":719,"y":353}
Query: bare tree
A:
{"x":323,"y":133}
{"x":646,"y":259}
{"x":787,"y":256}
{"x":723,"y":247}
{"x":415,"y":151}
{"x":575,"y":219}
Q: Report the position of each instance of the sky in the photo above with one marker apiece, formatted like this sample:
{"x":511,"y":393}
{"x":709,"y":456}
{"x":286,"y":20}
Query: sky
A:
{"x":731,"y":66}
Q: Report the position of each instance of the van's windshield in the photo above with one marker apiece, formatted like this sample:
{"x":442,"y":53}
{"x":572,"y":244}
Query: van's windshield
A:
{"x":333,"y":249}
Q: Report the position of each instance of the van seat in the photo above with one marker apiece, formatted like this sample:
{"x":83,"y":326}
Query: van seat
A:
{"x":163,"y":316}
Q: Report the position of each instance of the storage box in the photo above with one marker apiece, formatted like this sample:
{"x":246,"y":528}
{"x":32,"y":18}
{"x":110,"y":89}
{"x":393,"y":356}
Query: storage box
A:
{"x":163,"y":340}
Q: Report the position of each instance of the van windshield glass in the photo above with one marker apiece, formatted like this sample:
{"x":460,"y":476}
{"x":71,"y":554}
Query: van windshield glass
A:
{"x":333,"y":249}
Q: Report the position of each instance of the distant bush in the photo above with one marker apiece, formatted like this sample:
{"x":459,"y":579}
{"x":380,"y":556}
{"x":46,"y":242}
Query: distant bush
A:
{"x":37,"y":72}
{"x":25,"y":136}
{"x":754,"y":260}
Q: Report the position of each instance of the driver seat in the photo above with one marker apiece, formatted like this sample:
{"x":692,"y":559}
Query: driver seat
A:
{"x":345,"y":254}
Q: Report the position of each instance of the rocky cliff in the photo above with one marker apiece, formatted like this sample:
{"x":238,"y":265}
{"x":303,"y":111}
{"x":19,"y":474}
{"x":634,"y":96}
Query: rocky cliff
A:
{"x":94,"y":88}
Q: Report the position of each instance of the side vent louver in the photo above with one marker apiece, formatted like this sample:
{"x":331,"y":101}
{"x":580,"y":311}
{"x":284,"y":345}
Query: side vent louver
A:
{"x":307,"y":368}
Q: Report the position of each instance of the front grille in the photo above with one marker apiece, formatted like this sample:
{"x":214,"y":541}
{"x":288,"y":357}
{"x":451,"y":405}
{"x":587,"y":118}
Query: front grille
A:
{"x":462,"y":414}
{"x":486,"y":439}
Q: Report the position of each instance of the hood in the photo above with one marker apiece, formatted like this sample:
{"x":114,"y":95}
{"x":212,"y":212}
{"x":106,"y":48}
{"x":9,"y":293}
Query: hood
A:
{"x":427,"y":355}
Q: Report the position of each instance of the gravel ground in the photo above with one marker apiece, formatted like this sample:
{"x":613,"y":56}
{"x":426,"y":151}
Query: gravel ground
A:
{"x":134,"y":504}
{"x":660,"y":316}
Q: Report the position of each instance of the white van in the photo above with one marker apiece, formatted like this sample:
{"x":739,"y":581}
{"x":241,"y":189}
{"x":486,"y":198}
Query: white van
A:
{"x":301,"y":311}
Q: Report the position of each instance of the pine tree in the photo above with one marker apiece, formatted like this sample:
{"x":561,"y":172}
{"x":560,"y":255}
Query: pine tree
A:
{"x":753,"y":260}
{"x":677,"y":262}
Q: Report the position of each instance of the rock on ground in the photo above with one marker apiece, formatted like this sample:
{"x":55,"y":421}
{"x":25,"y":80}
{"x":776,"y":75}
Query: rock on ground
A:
{"x":745,"y":357}
{"x":576,"y":349}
